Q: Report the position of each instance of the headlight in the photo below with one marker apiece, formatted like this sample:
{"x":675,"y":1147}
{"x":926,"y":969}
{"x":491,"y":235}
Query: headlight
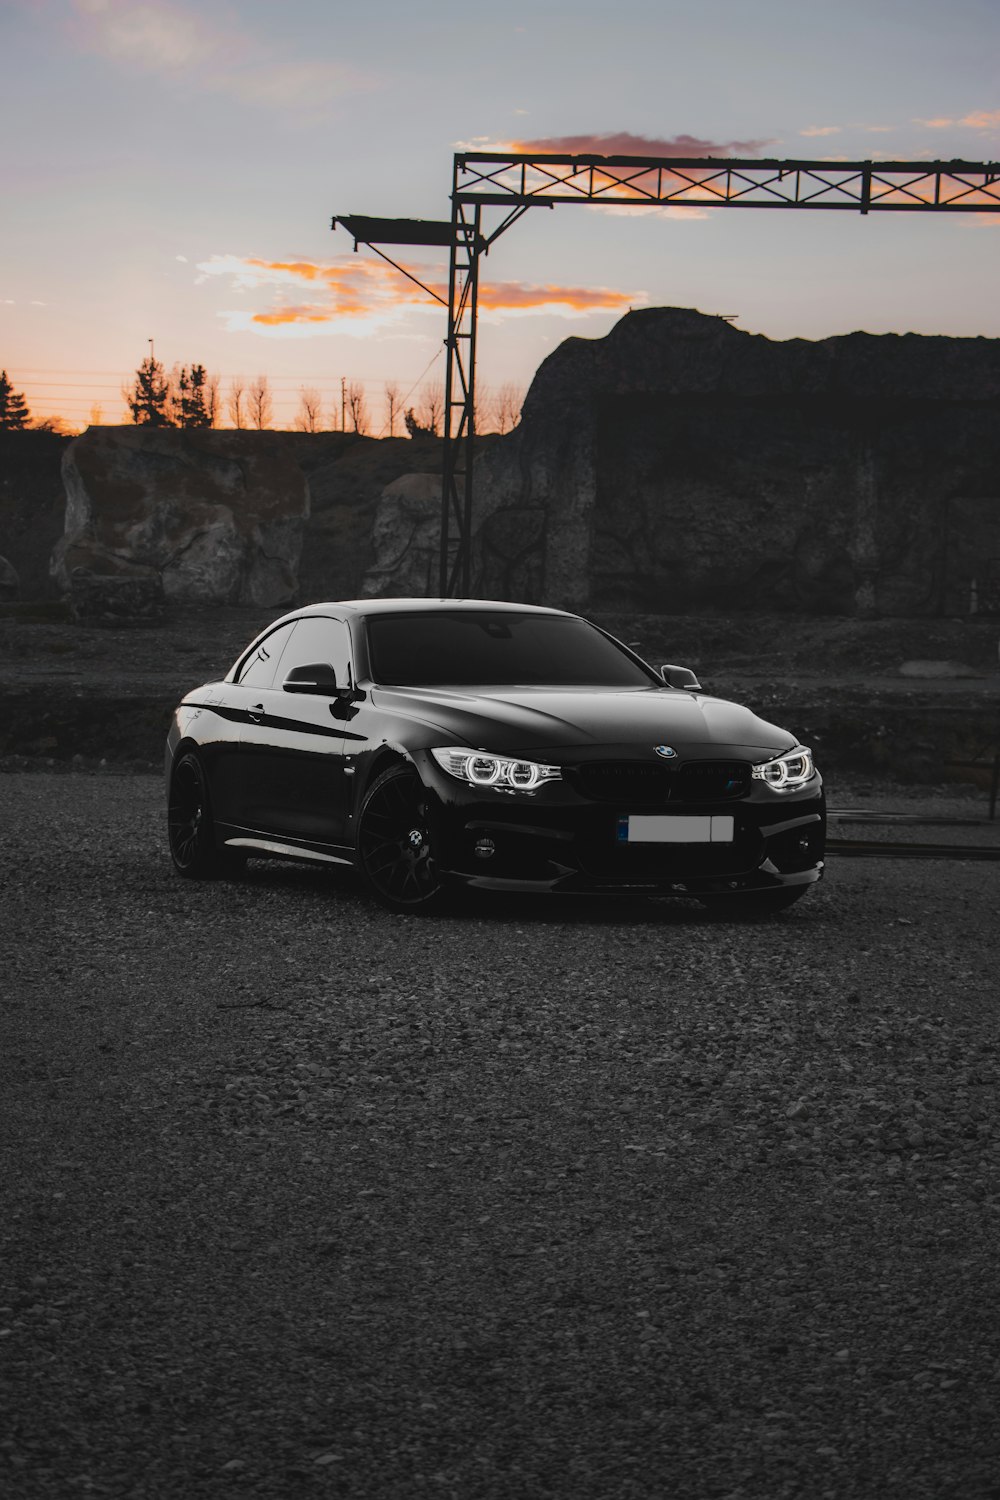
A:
{"x":478,"y":768}
{"x":785,"y":772}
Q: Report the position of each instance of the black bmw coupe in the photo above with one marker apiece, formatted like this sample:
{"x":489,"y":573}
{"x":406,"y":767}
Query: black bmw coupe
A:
{"x":431,"y":743}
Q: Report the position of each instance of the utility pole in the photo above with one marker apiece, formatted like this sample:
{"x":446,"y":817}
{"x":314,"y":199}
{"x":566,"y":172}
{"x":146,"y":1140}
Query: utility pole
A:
{"x":343,"y":404}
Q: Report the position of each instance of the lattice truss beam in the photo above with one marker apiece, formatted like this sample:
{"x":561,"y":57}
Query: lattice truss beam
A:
{"x":514,"y":183}
{"x":705,"y":182}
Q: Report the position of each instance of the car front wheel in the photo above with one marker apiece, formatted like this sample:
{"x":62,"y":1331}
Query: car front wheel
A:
{"x":190,"y":830}
{"x":396,"y":854}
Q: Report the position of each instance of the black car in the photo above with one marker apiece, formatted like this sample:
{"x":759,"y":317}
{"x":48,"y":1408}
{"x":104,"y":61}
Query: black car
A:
{"x":433,"y":742}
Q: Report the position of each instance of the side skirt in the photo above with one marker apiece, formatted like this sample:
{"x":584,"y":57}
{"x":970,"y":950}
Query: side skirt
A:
{"x":286,"y":851}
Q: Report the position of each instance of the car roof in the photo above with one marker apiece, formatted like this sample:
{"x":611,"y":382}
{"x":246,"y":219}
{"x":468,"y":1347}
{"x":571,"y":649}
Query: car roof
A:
{"x":359,"y":609}
{"x":419,"y":606}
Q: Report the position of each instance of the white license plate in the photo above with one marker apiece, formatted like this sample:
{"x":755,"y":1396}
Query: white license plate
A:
{"x":642,"y":828}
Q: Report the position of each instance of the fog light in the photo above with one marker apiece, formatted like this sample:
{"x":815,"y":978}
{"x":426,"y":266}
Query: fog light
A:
{"x":485,"y":848}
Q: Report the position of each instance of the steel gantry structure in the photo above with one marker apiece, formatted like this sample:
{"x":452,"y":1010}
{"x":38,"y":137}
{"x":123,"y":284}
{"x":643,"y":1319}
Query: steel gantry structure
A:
{"x":508,"y":184}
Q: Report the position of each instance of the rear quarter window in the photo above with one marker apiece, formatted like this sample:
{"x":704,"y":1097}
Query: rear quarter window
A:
{"x":259,"y":667}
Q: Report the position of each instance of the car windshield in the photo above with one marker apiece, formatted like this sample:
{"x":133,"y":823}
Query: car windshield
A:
{"x":483,"y":649}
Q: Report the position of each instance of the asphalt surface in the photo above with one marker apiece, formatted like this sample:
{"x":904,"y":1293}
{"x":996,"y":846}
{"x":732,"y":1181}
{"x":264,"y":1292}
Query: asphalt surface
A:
{"x":528,"y":1200}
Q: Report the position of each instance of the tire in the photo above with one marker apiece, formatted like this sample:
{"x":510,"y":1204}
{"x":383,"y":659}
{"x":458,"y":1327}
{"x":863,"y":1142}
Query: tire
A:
{"x":190,"y":830}
{"x":396,"y":851}
{"x":751,"y":906}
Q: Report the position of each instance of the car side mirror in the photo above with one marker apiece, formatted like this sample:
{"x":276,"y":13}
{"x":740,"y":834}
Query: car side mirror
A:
{"x":680,"y":677}
{"x":318,"y":677}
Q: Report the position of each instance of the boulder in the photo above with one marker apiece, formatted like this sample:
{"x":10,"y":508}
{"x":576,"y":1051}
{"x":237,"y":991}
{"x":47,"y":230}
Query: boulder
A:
{"x":405,"y":537}
{"x":179,"y":515}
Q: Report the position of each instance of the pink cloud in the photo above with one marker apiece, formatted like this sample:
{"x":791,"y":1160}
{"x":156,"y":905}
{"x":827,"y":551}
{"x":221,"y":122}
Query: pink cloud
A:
{"x":510,"y":295}
{"x":610,"y":182}
{"x":179,"y":42}
{"x":980,"y":119}
{"x":983,"y":119}
{"x":622,"y":143}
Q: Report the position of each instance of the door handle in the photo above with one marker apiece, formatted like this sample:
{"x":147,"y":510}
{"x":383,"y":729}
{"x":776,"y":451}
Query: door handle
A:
{"x":256,"y":713}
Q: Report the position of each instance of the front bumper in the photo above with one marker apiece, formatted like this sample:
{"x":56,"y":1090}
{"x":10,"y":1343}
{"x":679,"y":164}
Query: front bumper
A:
{"x":555,"y":840}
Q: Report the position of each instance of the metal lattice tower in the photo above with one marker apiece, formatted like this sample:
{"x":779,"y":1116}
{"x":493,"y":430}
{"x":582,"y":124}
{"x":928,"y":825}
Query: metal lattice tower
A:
{"x":512,"y":183}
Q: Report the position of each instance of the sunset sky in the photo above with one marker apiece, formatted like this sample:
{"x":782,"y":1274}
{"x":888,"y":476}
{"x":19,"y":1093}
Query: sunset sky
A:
{"x":170,"y":172}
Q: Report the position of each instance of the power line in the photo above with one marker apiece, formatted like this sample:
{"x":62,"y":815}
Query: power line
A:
{"x":273,"y":380}
{"x":413,"y":387}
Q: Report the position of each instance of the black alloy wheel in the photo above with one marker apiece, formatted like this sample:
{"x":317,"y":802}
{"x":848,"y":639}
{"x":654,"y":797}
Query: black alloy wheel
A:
{"x":396,"y":854}
{"x":189,"y":824}
{"x":751,"y":905}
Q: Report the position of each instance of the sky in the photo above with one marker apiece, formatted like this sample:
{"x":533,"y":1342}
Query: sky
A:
{"x":171,"y":169}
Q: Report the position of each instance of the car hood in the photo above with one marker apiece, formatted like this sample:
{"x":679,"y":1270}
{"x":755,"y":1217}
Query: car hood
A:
{"x":536,"y":721}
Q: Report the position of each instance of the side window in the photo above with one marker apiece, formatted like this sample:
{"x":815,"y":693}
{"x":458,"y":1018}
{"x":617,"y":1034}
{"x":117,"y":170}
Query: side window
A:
{"x":258,"y":669}
{"x":317,"y":639}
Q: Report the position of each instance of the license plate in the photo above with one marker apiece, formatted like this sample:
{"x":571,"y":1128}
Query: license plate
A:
{"x":641,"y":828}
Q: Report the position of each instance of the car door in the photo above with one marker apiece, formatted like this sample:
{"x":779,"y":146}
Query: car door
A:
{"x":231,"y":710}
{"x":291,"y":747}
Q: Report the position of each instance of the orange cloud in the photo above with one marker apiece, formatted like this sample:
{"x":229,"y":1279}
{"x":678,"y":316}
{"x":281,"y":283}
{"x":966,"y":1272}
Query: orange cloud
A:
{"x":304,"y":268}
{"x":354,"y":288}
{"x":307,"y":314}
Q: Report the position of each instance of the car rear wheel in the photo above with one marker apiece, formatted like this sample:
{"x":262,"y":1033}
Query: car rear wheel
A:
{"x":396,"y":854}
{"x":190,"y":830}
{"x":750,"y":905}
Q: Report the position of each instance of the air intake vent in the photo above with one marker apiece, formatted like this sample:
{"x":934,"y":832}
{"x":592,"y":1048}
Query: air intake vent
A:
{"x":712,"y":780}
{"x":624,"y":781}
{"x":635,"y":783}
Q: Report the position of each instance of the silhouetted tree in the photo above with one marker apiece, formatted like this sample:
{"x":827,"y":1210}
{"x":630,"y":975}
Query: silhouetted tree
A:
{"x":234,"y":401}
{"x":213,"y":401}
{"x":148,"y":398}
{"x":431,"y":406}
{"x":310,"y":415}
{"x":14,"y":413}
{"x":259,"y":403}
{"x":413,"y":427}
{"x":188,"y":397}
{"x":58,"y":425}
{"x":357,"y":407}
{"x":507,"y":406}
{"x":393,"y":405}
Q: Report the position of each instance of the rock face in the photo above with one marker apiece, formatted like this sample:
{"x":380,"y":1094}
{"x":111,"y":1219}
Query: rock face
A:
{"x":188,"y":516}
{"x":405,"y":539}
{"x":680,"y":464}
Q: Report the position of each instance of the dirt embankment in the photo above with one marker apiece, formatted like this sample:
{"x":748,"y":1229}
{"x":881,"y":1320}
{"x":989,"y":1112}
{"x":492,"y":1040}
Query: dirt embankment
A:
{"x":107,"y":692}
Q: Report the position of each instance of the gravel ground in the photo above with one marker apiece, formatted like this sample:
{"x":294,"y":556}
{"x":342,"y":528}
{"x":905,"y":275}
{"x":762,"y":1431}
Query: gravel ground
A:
{"x":527,"y":1201}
